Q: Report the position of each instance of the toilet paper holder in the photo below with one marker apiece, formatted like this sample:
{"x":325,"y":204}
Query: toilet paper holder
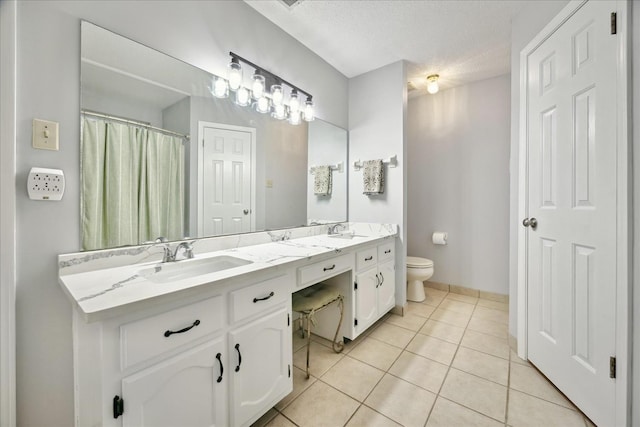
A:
{"x":439,"y":238}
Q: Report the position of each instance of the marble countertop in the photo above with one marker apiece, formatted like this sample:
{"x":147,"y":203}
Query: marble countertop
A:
{"x":98,"y":292}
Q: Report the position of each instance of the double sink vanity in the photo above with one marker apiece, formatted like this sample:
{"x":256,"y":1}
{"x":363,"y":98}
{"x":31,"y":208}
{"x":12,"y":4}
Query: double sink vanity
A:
{"x":207,"y":340}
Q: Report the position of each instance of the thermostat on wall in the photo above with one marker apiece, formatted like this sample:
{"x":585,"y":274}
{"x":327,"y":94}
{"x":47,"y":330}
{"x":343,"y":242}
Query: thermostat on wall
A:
{"x":45,"y":184}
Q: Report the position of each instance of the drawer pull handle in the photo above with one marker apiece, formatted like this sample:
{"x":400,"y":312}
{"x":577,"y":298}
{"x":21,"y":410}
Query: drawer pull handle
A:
{"x":381,"y":276}
{"x":239,"y":357}
{"x":388,"y":251}
{"x":377,"y":281}
{"x":255,"y":300}
{"x":329,"y":268}
{"x":188,"y":328}
{"x":219,"y":357}
{"x":369,"y":258}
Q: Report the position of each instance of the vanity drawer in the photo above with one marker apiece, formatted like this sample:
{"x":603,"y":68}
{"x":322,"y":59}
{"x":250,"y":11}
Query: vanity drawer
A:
{"x":366,"y":258}
{"x":146,"y":338}
{"x":262,"y":296}
{"x":386,"y":251}
{"x":319,"y":271}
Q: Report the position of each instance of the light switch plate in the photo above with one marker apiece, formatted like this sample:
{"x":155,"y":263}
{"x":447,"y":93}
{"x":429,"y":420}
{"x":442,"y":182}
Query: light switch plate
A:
{"x":45,"y":135}
{"x":45,"y":184}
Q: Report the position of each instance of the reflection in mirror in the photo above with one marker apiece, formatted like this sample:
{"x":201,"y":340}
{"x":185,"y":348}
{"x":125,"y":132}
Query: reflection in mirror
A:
{"x":162,"y":157}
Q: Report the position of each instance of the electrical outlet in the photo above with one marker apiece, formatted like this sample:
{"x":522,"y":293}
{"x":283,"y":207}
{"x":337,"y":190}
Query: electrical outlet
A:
{"x":45,"y":184}
{"x":45,"y":135}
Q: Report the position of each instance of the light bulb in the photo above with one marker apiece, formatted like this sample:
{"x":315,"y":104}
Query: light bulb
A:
{"x":242,"y":96}
{"x":279,"y":112}
{"x":257,"y":88}
{"x":262,"y":106}
{"x":308,"y":113}
{"x":220,"y":88}
{"x":277,"y":95}
{"x":432,"y":83}
{"x":294,"y":102}
{"x":294,"y":117}
{"x":235,"y":75}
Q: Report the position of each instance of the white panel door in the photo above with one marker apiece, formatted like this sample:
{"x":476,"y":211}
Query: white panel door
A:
{"x":572,"y":196}
{"x":366,"y":298}
{"x":261,"y":372}
{"x":226,"y":165}
{"x":181,"y":391}
{"x":387,"y":287}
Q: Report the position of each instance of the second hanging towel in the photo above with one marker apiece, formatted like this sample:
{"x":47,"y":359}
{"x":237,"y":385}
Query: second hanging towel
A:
{"x":373,"y":177}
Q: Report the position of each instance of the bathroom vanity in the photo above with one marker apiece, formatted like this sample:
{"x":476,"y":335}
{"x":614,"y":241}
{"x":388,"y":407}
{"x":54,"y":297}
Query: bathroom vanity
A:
{"x":207,"y":341}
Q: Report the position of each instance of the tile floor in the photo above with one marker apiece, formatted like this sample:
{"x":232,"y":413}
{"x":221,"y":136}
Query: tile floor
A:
{"x":445,"y":363}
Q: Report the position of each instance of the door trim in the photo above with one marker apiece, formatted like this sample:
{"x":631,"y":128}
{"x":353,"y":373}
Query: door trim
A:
{"x":254,"y":181}
{"x":623,"y":208}
{"x":8,"y":63}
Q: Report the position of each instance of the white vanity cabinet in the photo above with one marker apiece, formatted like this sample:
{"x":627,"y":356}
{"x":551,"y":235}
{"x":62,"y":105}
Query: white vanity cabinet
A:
{"x":223,"y":359}
{"x":374,"y":286}
{"x":187,"y":389}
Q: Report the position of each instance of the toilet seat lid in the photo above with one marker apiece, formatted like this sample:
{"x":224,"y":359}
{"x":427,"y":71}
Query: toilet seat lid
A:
{"x":414,"y":261}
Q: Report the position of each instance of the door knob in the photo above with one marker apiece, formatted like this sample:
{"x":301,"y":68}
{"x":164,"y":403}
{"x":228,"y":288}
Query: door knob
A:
{"x":246,"y":211}
{"x":525,"y":222}
{"x":532,"y":222}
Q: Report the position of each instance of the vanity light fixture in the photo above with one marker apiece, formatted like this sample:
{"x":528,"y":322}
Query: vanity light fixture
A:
{"x":308,"y":113}
{"x":243,"y":97}
{"x":220,"y":88}
{"x":262,"y":105}
{"x":257,"y":86}
{"x":274,"y":100}
{"x":432,"y":83}
{"x":294,"y":102}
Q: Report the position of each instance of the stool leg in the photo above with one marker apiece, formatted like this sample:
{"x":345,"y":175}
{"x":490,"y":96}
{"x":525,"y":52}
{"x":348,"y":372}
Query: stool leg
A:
{"x":339,"y":346}
{"x":308,"y":342}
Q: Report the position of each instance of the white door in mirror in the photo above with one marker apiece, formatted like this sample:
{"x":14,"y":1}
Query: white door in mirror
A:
{"x":45,"y":184}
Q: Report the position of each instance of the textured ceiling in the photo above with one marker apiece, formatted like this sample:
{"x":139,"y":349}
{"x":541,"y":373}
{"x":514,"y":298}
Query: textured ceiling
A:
{"x":462,"y":40}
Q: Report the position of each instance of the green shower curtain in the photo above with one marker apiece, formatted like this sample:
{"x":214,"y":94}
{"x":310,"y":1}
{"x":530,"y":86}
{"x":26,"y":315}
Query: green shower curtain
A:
{"x":132,"y":184}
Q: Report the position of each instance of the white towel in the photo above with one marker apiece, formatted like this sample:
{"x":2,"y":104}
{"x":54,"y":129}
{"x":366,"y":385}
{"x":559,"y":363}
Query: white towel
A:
{"x":373,"y":177}
{"x":322,"y":180}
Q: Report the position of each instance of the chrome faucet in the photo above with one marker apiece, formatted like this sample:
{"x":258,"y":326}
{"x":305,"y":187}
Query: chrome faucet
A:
{"x":184,"y":248}
{"x":168,"y":255}
{"x":333,"y":228}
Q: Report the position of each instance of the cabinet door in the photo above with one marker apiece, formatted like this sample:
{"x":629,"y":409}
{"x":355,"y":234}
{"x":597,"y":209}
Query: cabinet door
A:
{"x":366,"y":300}
{"x":181,"y":391}
{"x":387,"y":287}
{"x":260,"y":354}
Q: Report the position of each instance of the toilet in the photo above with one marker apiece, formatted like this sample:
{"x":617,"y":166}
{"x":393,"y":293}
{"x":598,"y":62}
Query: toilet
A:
{"x":418,"y":270}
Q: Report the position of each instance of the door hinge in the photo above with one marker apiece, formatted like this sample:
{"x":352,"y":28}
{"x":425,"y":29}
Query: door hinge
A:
{"x":614,"y":23}
{"x":118,"y":406}
{"x":288,"y":320}
{"x":355,"y":285}
{"x":355,"y":322}
{"x":612,"y":367}
{"x":289,"y":371}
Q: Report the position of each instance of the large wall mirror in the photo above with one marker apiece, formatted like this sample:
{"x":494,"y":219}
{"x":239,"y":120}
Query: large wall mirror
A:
{"x":161,"y":156}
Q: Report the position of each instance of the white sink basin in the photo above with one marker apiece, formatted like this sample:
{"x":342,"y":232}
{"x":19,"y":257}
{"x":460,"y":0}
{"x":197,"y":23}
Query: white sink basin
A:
{"x":170,"y":271}
{"x":344,"y":235}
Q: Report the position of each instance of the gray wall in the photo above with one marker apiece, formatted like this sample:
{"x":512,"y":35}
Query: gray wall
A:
{"x":377,"y":123}
{"x":48,"y":33}
{"x":458,"y":162}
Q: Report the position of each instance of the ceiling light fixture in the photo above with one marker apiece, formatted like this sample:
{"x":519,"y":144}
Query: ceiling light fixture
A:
{"x":432,"y":83}
{"x":264,"y":101}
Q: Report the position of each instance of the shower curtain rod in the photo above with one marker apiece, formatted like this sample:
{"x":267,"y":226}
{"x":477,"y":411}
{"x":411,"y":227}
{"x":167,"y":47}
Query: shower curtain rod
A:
{"x":133,"y":122}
